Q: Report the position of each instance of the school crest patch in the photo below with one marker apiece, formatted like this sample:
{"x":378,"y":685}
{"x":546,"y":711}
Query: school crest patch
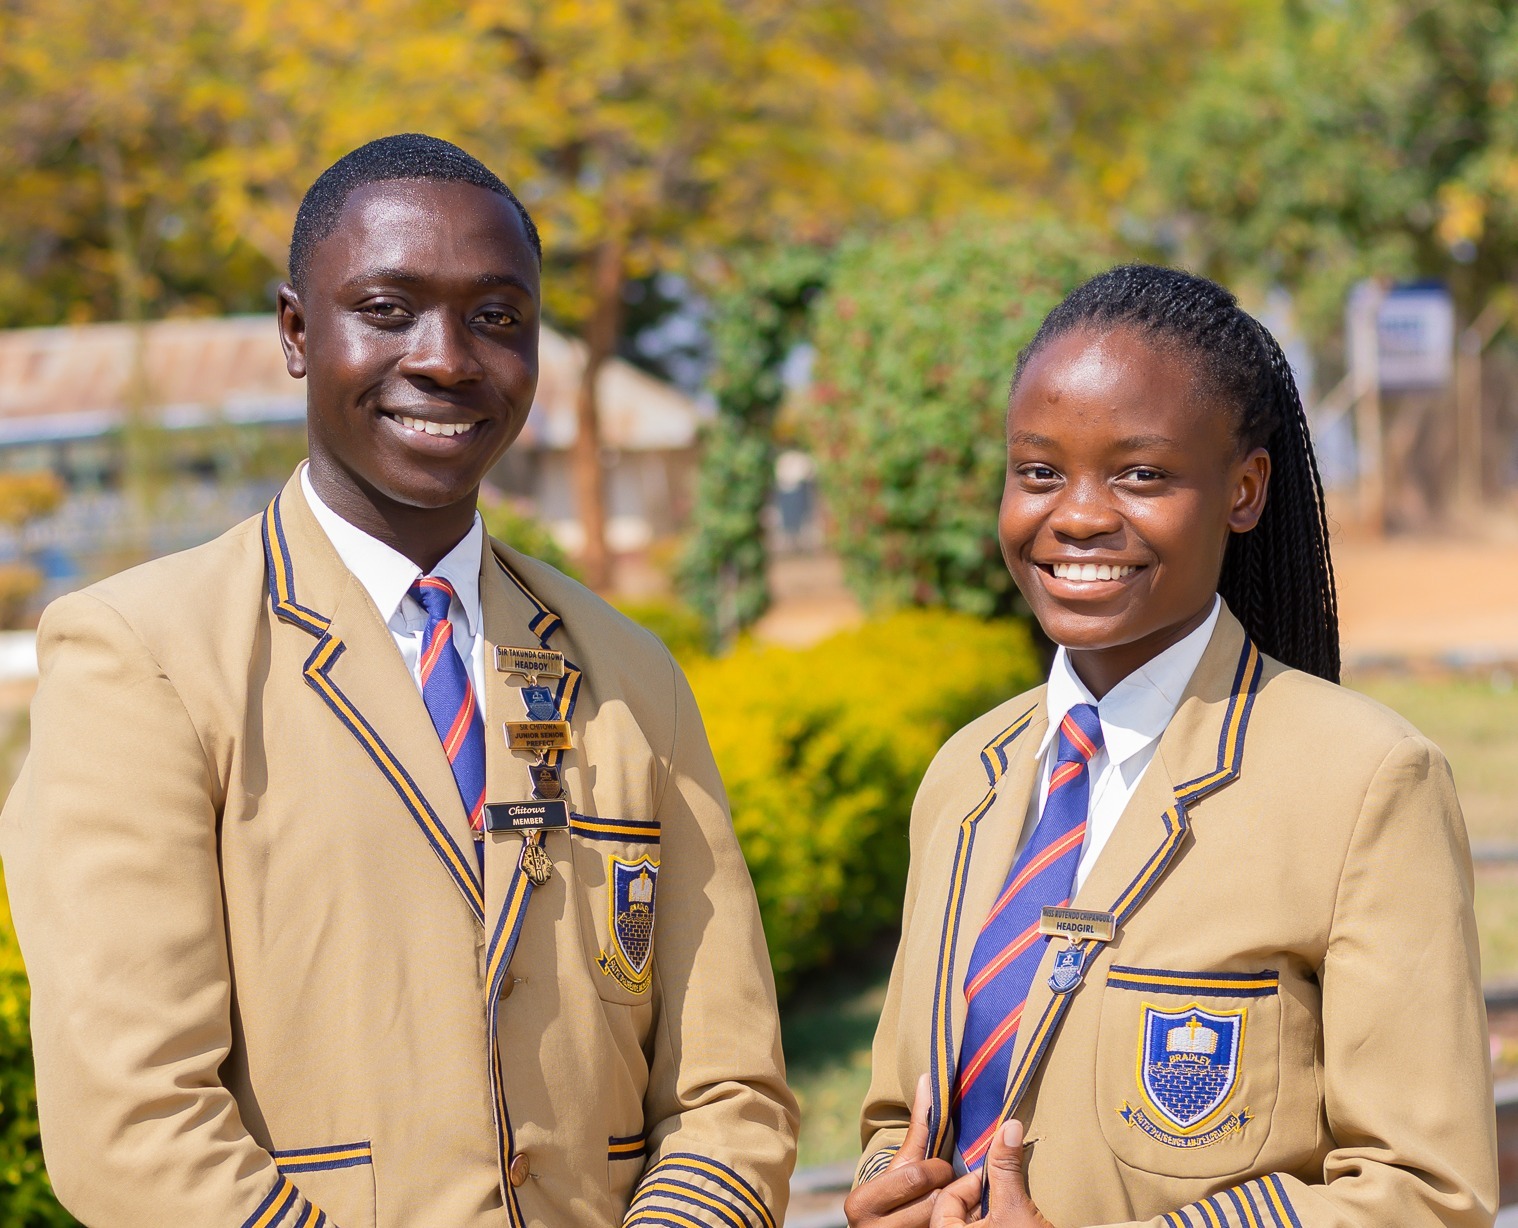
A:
{"x":1188,"y":1067}
{"x":630,"y":890}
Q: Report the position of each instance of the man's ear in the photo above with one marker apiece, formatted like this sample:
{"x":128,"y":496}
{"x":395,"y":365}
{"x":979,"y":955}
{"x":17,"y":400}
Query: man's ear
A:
{"x":292,"y":330}
{"x":1252,"y":481}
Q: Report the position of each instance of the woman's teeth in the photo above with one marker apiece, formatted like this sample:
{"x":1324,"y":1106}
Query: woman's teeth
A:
{"x":1091,"y":571}
{"x":434,"y":428}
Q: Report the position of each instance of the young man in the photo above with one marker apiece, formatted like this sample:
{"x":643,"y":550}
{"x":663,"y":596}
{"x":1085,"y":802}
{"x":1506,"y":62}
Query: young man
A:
{"x":368,"y":872}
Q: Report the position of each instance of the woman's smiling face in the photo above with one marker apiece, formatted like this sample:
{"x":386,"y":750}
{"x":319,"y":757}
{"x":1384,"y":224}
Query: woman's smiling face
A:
{"x":1124,"y":482}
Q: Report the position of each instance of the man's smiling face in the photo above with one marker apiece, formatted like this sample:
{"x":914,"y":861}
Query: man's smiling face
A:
{"x":417,"y":333}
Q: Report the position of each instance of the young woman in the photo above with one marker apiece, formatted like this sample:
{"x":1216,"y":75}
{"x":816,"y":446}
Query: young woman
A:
{"x":1191,"y":916}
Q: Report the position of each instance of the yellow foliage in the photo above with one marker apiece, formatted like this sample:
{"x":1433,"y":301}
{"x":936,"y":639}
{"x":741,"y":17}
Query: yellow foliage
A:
{"x":821,"y":751}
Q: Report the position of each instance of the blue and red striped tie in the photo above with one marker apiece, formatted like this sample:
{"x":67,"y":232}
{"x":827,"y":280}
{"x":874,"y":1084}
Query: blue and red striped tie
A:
{"x":1009,"y":948}
{"x":449,"y":695}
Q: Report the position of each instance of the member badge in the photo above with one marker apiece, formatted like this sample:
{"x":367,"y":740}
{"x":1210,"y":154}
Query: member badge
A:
{"x":1188,"y":1067}
{"x":630,"y":889}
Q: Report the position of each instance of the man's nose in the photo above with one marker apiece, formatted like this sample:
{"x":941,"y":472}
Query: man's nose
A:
{"x":442,"y":351}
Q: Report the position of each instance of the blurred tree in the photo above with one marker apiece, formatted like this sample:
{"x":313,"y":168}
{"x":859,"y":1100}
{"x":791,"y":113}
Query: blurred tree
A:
{"x":1337,"y":139}
{"x":916,"y":339}
{"x":24,"y":497}
{"x":757,"y":320}
{"x":642,"y":135}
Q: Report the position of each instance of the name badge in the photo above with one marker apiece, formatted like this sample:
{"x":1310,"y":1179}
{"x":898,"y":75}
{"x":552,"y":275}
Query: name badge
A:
{"x":1077,"y":924}
{"x":525,"y":816}
{"x":539,"y":737}
{"x":529,"y":662}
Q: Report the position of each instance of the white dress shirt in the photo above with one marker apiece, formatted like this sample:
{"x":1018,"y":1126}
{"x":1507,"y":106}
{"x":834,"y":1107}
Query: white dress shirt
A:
{"x":1134,"y":714}
{"x":387,"y":576}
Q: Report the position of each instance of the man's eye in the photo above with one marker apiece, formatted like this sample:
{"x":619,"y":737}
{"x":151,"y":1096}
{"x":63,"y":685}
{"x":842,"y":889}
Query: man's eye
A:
{"x":1039,"y":473}
{"x":1144,"y":474}
{"x":497,"y":318}
{"x":384,"y":311}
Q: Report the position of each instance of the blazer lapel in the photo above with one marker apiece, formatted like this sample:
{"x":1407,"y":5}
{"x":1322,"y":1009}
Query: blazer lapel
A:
{"x":355,"y":668}
{"x":984,"y":846}
{"x":1201,"y":751}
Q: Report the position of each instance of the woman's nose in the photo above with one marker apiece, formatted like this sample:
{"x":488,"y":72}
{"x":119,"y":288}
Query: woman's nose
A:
{"x":1085,"y":510}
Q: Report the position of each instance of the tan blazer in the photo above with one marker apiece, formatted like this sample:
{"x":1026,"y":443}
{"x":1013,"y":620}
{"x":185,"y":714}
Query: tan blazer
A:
{"x":269,"y":987}
{"x":1287,"y":1030}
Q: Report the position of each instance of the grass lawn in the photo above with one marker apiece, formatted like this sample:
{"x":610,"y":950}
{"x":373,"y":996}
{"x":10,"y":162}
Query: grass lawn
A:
{"x":830,"y":1022}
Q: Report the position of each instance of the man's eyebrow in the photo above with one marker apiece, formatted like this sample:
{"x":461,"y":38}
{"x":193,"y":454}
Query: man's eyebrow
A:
{"x":1031,"y":439}
{"x":502,"y":279}
{"x":409,"y":277}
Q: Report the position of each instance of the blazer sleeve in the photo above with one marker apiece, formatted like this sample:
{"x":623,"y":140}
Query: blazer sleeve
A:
{"x":720,"y":1120}
{"x":1406,"y":1080}
{"x":110,"y":846}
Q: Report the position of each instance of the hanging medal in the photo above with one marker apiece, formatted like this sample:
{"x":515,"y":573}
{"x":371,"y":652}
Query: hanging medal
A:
{"x":545,"y":734}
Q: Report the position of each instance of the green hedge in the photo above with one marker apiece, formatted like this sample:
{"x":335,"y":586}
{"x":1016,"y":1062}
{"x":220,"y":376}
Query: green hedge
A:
{"x":822,"y":750}
{"x":26,"y":1198}
{"x":916,"y":339}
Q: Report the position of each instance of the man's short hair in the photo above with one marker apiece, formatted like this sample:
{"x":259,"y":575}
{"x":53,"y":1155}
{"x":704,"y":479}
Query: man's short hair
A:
{"x":406,"y":155}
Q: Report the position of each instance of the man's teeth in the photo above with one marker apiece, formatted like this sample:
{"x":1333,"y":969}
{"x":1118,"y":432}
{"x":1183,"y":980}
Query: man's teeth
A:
{"x":1091,"y":571}
{"x":434,"y":428}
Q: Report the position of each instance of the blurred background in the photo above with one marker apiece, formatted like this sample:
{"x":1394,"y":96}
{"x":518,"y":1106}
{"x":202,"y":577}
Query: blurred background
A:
{"x":792,"y":250}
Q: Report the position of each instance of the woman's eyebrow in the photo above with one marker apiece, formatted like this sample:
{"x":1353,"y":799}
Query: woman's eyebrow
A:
{"x":1032,"y":439}
{"x":1137,"y":443}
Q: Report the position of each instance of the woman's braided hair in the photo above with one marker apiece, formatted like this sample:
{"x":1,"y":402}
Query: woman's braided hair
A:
{"x":1278,"y":578}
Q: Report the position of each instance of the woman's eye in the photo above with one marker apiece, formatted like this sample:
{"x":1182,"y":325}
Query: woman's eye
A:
{"x":1038,"y":473}
{"x":1142,"y":473}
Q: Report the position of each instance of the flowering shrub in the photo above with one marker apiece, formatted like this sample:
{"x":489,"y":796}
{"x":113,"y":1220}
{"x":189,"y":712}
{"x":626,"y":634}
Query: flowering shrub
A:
{"x":822,"y":751}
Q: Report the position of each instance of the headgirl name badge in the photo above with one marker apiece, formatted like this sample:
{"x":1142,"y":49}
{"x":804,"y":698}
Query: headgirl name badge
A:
{"x":529,"y":663}
{"x":1077,"y":924}
{"x":537,"y":737}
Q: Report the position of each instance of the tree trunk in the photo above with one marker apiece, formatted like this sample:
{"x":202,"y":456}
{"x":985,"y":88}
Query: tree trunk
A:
{"x":601,"y":333}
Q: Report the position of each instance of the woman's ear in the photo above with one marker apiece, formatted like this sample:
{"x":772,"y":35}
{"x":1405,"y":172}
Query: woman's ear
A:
{"x":1250,"y":485}
{"x":292,"y":330}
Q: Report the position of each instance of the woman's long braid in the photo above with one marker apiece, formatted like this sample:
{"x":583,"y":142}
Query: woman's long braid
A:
{"x":1278,"y":578}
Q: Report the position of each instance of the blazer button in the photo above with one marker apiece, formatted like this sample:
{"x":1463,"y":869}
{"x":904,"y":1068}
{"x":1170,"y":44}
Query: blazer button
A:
{"x":518,"y":1170}
{"x":507,"y":985}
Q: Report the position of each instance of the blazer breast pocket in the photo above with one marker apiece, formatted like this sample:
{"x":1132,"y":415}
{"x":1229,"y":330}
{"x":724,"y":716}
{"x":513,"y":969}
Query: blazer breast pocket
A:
{"x":1188,"y":1068}
{"x":617,"y":889}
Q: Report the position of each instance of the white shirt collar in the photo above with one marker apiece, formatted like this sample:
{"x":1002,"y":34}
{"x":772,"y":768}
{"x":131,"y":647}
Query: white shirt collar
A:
{"x":1135,"y":712}
{"x":386,"y":574}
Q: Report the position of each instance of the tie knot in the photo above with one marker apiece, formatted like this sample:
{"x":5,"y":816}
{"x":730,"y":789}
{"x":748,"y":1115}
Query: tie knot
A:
{"x":1080,"y":734}
{"x":434,"y":596}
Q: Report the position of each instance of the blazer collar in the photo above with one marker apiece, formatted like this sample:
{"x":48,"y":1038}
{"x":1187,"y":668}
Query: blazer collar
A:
{"x":354,"y":667}
{"x":1201,"y":751}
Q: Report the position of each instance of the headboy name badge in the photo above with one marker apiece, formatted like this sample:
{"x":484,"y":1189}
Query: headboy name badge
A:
{"x":538,"y":737}
{"x":1077,"y":924}
{"x":529,"y":663}
{"x":525,"y":816}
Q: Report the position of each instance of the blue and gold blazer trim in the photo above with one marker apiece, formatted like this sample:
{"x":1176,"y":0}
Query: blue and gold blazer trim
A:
{"x":281,"y":1200}
{"x":691,"y":1191}
{"x":875,"y":1164}
{"x":1264,"y":984}
{"x":632,"y":1147}
{"x":623,"y":831}
{"x":320,"y":1159}
{"x":1261,"y":1203}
